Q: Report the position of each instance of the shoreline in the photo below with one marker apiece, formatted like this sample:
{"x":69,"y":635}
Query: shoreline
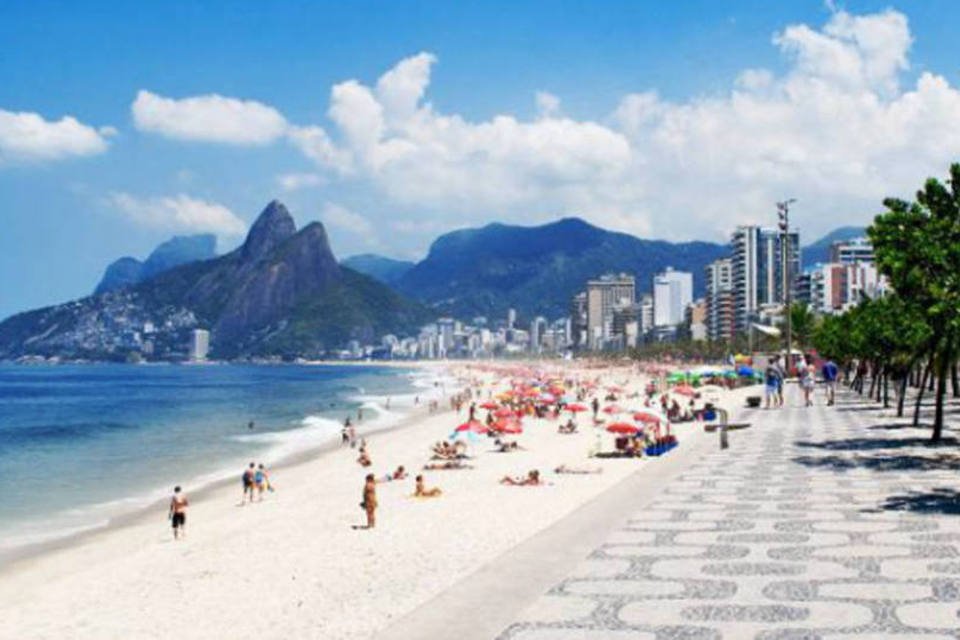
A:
{"x":11,"y":559}
{"x":314,"y":573}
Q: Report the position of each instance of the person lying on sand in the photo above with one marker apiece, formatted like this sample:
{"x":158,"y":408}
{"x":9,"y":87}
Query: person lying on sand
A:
{"x":422,"y":492}
{"x":577,"y":470}
{"x":450,"y":464}
{"x":570,"y":427}
{"x":364,"y":458}
{"x":532,"y":480}
{"x":505,"y":446}
{"x":399,"y":474}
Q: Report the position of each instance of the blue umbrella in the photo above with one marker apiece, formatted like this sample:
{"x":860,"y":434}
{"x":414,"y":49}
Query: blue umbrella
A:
{"x":744,"y":370}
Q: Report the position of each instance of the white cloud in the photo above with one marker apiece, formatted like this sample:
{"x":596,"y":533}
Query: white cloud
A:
{"x":836,"y":130}
{"x":208,"y":118}
{"x":547,"y":103}
{"x":338,"y":216}
{"x":28,"y":137}
{"x":178,"y":213}
{"x":297,"y":181}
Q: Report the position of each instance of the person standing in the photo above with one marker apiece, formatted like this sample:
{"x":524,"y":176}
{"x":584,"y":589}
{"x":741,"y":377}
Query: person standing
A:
{"x":178,"y":513}
{"x":771,"y":378}
{"x":596,"y":407}
{"x":249,"y":483}
{"x":830,"y":373}
{"x":808,"y":380}
{"x":369,"y":503}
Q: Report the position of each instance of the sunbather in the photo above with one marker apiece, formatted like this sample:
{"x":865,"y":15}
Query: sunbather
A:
{"x":577,"y":470}
{"x":450,"y":464}
{"x":532,"y":479}
{"x":422,"y":492}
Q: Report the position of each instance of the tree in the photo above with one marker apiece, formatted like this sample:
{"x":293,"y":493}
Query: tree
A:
{"x":803,"y":323}
{"x":917,"y":246}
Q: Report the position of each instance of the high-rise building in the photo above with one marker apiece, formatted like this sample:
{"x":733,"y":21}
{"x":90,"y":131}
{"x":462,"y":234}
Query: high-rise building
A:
{"x":758,"y":270}
{"x":537,"y":329}
{"x":646,"y":314}
{"x":672,"y":292}
{"x":199,"y":345}
{"x":578,"y":320}
{"x":696,"y":320}
{"x":851,"y":251}
{"x":603,"y":294}
{"x":511,"y":318}
{"x":835,"y":287}
{"x":719,"y":300}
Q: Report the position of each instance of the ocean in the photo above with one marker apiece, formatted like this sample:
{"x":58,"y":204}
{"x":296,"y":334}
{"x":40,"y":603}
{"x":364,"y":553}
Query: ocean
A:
{"x":82,"y":444}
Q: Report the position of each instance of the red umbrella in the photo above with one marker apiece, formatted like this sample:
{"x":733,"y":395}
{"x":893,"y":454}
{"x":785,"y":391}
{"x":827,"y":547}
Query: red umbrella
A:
{"x":649,"y":416}
{"x":504,"y":412}
{"x":623,"y":427}
{"x":685,"y":390}
{"x":508,"y":426}
{"x":489,"y":405}
{"x":576,"y":408}
{"x":473,"y":425}
{"x":613,"y":409}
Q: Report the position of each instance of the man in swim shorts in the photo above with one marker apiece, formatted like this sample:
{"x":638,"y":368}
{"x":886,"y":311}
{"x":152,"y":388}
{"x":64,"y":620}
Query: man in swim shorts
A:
{"x":178,"y":513}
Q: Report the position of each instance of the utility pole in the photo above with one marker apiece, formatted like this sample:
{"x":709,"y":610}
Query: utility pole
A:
{"x":783,"y":213}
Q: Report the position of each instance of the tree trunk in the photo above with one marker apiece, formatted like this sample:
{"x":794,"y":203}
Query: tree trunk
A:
{"x":954,"y":380}
{"x":920,"y":390}
{"x":941,"y":394}
{"x":903,"y":396}
{"x":873,"y":382}
{"x":886,"y":391}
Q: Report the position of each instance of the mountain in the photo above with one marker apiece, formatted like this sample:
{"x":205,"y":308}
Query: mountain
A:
{"x":819,"y":251}
{"x":536,"y":270}
{"x":386,"y":270}
{"x":282,"y":292}
{"x":178,"y":250}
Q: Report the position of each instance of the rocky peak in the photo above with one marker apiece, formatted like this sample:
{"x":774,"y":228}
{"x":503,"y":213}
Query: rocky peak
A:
{"x":274,"y":225}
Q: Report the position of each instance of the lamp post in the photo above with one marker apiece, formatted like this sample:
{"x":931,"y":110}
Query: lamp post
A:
{"x":783,"y":213}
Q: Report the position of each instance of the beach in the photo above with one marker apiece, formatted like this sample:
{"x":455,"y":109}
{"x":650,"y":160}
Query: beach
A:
{"x":295,"y":565}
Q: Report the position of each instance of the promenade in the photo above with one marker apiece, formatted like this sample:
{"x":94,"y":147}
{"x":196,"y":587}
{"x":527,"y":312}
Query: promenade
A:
{"x":828,"y":522}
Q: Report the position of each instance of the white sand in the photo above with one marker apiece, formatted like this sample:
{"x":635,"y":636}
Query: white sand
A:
{"x":294,"y":566}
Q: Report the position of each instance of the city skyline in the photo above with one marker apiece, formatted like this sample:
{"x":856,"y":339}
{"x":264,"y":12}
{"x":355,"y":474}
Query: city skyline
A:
{"x":394,"y":135}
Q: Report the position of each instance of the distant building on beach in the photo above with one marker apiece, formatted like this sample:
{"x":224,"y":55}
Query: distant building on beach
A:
{"x":851,"y":251}
{"x":719,"y":300}
{"x":672,"y":292}
{"x":603,"y":295}
{"x":199,"y":345}
{"x":757,"y":269}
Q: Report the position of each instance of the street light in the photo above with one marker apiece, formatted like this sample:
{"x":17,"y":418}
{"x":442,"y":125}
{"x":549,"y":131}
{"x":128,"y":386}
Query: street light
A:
{"x":783,"y":214}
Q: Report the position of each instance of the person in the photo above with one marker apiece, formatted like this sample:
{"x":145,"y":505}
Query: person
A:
{"x":596,"y":407}
{"x":448,"y":465}
{"x":808,"y":381}
{"x":262,"y":479}
{"x":369,"y":504}
{"x":781,"y":379}
{"x":364,"y":457}
{"x":771,"y":376}
{"x":248,"y":479}
{"x":830,"y":373}
{"x":399,"y":474}
{"x":250,"y":425}
{"x":360,"y":414}
{"x":178,"y":513}
{"x":352,"y":435}
{"x":532,"y":480}
{"x":422,"y":492}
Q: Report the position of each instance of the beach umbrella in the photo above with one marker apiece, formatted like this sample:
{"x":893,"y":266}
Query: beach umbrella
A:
{"x":464,"y":435}
{"x":745,"y":371}
{"x":472,"y":426}
{"x":504,"y":412}
{"x":612,"y":408}
{"x":685,"y":390}
{"x":624,"y":428}
{"x":576,"y":408}
{"x":489,"y":405}
{"x":649,"y":416}
{"x":547,"y":397}
{"x":508,"y":426}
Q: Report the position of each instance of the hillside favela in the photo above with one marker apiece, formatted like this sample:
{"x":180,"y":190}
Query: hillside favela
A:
{"x":526,"y":321}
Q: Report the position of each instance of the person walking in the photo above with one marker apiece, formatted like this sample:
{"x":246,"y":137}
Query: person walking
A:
{"x":772,"y":383}
{"x":178,"y":513}
{"x":249,"y":483}
{"x":369,"y":503}
{"x":830,"y":373}
{"x":808,"y":381}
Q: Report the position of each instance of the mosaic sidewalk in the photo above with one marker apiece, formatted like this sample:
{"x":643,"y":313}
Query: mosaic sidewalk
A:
{"x":827,"y":522}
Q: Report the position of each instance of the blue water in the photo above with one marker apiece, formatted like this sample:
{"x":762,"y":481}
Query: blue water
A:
{"x":80,"y":444}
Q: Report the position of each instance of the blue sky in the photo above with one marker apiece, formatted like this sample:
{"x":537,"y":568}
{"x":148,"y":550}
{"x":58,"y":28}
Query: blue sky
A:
{"x":673,"y":120}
